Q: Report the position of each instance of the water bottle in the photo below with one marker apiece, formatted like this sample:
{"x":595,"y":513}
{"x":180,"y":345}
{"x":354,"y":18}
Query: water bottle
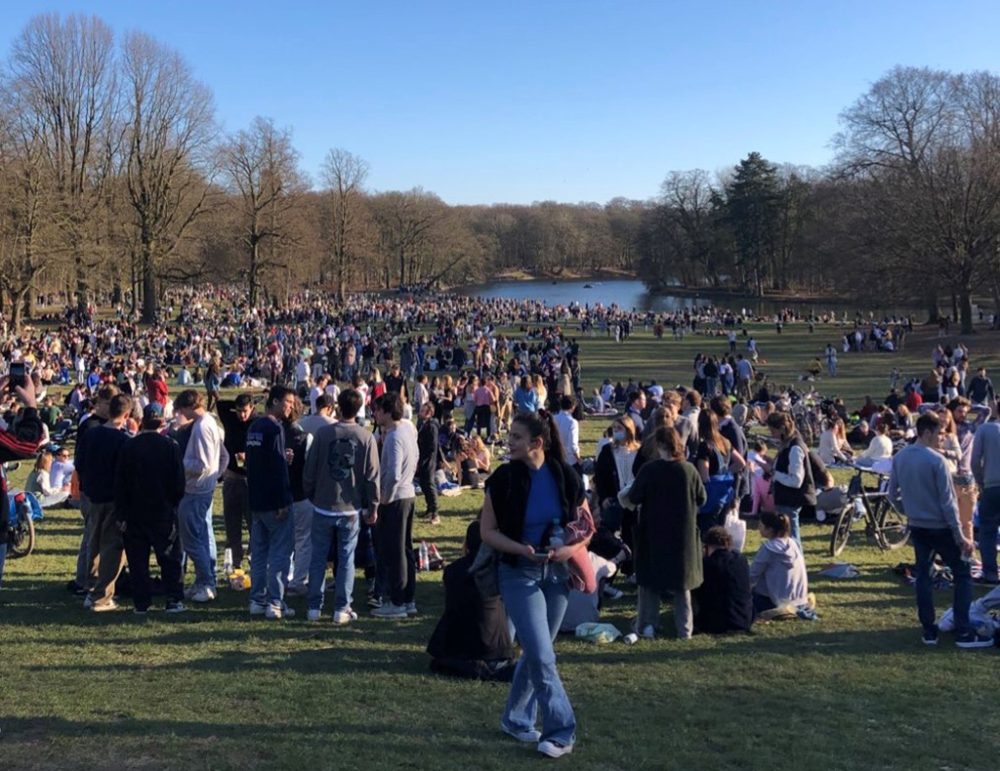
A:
{"x":425,"y":560}
{"x":227,"y":565}
{"x":558,"y":571}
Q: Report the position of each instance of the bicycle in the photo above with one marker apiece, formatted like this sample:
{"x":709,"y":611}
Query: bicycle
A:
{"x":883,"y":521}
{"x":21,"y":525}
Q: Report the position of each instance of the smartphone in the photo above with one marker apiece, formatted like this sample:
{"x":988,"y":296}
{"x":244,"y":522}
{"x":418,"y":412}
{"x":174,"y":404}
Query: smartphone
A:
{"x":18,"y":375}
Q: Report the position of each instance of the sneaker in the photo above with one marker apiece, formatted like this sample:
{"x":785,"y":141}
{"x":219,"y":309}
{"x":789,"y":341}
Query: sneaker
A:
{"x":388,"y":610}
{"x":203,"y":594}
{"x":275,"y":612}
{"x":103,"y":607}
{"x":434,"y":519}
{"x":411,"y":609}
{"x":930,"y":636}
{"x":313,"y":615}
{"x":175,"y":607}
{"x":374,"y":601}
{"x":88,"y":602}
{"x":613,"y":594}
{"x":554,"y":749}
{"x":974,"y":640}
{"x":257,"y":608}
{"x":342,"y":617}
{"x":528,"y":737}
{"x":648,"y":632}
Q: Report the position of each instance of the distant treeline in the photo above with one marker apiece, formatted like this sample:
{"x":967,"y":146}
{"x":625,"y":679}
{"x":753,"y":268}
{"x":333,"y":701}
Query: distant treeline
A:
{"x":113,"y":174}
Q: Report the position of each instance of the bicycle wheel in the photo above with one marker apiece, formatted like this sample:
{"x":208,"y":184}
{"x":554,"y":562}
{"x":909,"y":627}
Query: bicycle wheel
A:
{"x":841,"y":530}
{"x":891,"y":531}
{"x":21,"y":541}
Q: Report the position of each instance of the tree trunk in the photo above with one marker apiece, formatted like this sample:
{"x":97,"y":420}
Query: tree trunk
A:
{"x":954,"y":306}
{"x":252,"y":275}
{"x":149,"y":303}
{"x":933,"y":314}
{"x":965,"y":311}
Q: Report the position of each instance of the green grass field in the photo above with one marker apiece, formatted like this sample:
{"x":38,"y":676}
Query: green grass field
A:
{"x":212,"y":689}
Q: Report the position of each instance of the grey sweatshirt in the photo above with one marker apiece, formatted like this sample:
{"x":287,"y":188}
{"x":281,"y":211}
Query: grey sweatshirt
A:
{"x":986,"y":455}
{"x":399,"y":463}
{"x":920,"y":486}
{"x":778,"y":571}
{"x":341,"y":470}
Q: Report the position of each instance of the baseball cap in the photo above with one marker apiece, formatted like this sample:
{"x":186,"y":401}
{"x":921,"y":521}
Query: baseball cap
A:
{"x":152,"y":411}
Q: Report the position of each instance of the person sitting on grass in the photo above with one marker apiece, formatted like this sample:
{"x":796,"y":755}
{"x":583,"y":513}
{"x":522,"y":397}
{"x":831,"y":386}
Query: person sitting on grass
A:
{"x":472,"y":639}
{"x":39,"y":482}
{"x":722,"y":603}
{"x":778,"y":571}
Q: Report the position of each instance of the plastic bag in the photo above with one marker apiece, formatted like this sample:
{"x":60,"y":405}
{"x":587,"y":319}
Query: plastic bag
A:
{"x":737,"y":530}
{"x":595,"y":632}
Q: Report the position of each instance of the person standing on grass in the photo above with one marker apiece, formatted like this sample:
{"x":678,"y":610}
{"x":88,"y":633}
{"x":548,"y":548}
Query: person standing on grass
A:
{"x":667,"y":551}
{"x":18,"y":442}
{"x":394,"y":520}
{"x":569,"y":432}
{"x":524,"y":498}
{"x":985,"y":464}
{"x":298,"y":440}
{"x":149,"y":483}
{"x":427,"y":463}
{"x":791,"y":475}
{"x":272,"y":534}
{"x":341,"y":479}
{"x":236,"y":417}
{"x":86,"y":571}
{"x":96,"y":457}
{"x":920,"y":486}
{"x":205,"y":456}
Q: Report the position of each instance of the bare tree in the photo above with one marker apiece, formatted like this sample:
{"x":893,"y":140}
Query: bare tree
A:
{"x":167,"y":134}
{"x":344,"y":175}
{"x":63,"y":73}
{"x":261,"y":170}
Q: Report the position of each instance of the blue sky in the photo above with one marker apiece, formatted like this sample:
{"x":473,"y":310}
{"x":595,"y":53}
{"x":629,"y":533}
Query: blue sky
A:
{"x":527,"y":101}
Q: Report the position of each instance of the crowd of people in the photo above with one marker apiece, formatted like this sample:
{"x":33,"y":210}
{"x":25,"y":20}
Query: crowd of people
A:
{"x":311,"y":493}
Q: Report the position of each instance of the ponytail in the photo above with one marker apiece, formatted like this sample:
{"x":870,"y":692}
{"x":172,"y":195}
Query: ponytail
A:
{"x":541,"y":424}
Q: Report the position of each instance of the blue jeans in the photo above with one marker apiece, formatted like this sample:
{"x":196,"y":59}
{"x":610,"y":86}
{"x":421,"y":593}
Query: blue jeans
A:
{"x":324,"y":529}
{"x":536,"y":606}
{"x":989,"y":523}
{"x":792,"y":512}
{"x":3,"y":559}
{"x":194,"y":517}
{"x":926,"y":543}
{"x":271,"y":544}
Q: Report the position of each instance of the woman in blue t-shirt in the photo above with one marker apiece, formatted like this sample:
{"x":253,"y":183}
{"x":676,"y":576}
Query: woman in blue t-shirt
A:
{"x":524,"y":500}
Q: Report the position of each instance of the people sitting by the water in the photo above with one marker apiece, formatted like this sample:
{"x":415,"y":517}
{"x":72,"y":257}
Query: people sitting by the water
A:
{"x":722,"y":603}
{"x":472,"y":639}
{"x":778,"y":571}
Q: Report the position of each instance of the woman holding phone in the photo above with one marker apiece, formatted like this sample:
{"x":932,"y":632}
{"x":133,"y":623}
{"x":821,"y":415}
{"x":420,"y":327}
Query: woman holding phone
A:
{"x":525,"y":500}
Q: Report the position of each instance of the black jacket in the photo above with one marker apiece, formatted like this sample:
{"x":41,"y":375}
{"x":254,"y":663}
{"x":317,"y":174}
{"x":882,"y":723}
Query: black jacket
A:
{"x":235,"y":439}
{"x":805,"y":495}
{"x":723,"y":600}
{"x":16,"y":444}
{"x":471,"y":627}
{"x":510,"y":485}
{"x":427,"y":443}
{"x":149,"y":479}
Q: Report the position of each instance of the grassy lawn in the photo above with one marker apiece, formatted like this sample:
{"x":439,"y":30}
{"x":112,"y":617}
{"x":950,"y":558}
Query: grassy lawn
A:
{"x":212,"y":689}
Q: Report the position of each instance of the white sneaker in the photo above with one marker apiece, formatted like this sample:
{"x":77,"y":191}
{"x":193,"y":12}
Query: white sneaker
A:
{"x":313,"y":615}
{"x":554,"y":750}
{"x":257,"y":608}
{"x":388,"y":610}
{"x":411,"y":609}
{"x":203,"y":594}
{"x":275,"y":612}
{"x":342,"y":617}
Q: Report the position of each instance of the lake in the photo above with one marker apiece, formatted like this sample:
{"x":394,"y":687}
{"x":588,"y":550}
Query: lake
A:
{"x":626,"y":293}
